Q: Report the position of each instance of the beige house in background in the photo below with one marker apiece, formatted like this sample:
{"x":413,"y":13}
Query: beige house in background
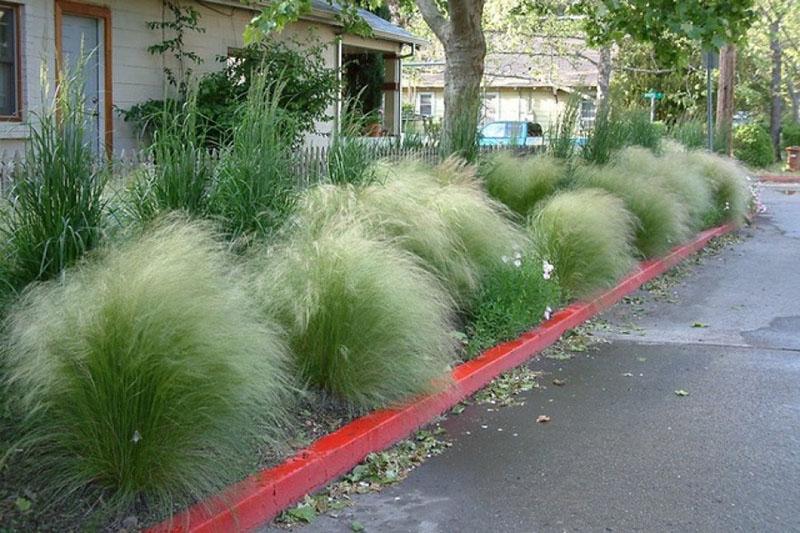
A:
{"x":516,"y":87}
{"x":121,"y":72}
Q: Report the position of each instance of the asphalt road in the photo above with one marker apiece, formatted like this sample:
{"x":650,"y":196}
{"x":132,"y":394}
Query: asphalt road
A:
{"x":622,"y":451}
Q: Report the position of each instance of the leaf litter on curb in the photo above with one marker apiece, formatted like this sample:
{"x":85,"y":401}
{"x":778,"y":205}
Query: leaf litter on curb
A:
{"x":378,"y":470}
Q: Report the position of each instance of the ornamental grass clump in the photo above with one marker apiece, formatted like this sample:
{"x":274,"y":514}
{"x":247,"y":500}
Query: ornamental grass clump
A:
{"x":255,"y":188}
{"x":729,"y":185}
{"x":587,"y":235}
{"x":56,"y":209}
{"x":365,"y":323}
{"x":147,"y":374}
{"x":662,"y":221}
{"x":675,"y":174}
{"x":517,"y":294}
{"x":522,"y":182}
{"x":183,"y":171}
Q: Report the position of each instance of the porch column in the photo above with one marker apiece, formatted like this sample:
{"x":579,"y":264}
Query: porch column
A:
{"x":392,"y":119}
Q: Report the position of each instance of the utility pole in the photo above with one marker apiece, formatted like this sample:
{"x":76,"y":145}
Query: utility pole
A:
{"x":711,"y":60}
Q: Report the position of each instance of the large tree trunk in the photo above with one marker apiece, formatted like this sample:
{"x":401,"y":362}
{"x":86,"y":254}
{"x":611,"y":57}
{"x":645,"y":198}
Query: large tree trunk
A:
{"x":727,"y":72}
{"x":461,"y":35}
{"x":776,"y":102}
{"x":604,"y":70}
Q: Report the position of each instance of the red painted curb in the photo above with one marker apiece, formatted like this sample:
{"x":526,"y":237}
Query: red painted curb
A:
{"x":262,"y":496}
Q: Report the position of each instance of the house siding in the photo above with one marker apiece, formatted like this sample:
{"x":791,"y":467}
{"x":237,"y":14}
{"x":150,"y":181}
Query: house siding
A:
{"x":535,"y":105}
{"x":138,"y":75}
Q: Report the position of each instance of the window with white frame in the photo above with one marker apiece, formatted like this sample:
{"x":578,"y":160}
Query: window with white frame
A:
{"x":9,"y":62}
{"x":425,"y":104}
{"x":588,"y":114}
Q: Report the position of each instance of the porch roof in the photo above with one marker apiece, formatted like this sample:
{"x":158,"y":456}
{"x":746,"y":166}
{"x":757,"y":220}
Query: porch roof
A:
{"x":381,"y":29}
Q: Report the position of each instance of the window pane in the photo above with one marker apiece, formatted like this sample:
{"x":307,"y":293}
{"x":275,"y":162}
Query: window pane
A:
{"x":8,"y":58}
{"x":426,"y":104}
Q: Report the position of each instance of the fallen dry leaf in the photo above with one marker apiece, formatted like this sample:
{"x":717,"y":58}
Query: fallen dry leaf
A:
{"x":542,"y":419}
{"x":559,"y":382}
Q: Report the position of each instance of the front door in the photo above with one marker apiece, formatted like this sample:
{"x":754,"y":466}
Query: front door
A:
{"x":84,"y":34}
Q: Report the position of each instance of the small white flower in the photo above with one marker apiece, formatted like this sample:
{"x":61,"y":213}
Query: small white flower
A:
{"x":517,"y":263}
{"x":518,"y":255}
{"x":727,"y":206}
{"x":547,"y":269}
{"x":504,"y":259}
{"x":548,"y":313}
{"x":136,"y":437}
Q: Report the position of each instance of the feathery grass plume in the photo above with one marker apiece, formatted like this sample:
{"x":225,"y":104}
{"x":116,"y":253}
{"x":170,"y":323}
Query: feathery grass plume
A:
{"x":56,"y":206}
{"x":516,"y":295}
{"x":729,"y":185}
{"x":256,"y":188}
{"x":522,"y":182}
{"x":181,"y":176}
{"x":675,"y":174}
{"x":148,"y":372}
{"x":663,"y":221}
{"x":365,"y":322}
{"x":587,"y":234}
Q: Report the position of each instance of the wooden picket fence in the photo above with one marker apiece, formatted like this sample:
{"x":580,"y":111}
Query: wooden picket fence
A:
{"x":310,"y":163}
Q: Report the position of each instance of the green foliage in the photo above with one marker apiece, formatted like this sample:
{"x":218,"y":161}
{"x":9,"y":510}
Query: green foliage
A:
{"x":752,"y":145}
{"x":638,"y":130}
{"x":309,"y":86}
{"x":675,"y":173}
{"x":146,"y":373}
{"x":666,"y":23}
{"x":587,"y":235}
{"x":461,"y":140}
{"x":351,"y":157}
{"x":561,"y":136}
{"x":607,"y":136}
{"x":514,"y":297}
{"x":790,"y":134}
{"x":363,"y":82}
{"x":522,"y":182}
{"x":365,"y":323}
{"x":729,"y":185}
{"x":183,"y":172}
{"x":56,"y":205}
{"x":689,"y":132}
{"x":184,"y":18}
{"x":255,"y":190}
{"x":663,"y":221}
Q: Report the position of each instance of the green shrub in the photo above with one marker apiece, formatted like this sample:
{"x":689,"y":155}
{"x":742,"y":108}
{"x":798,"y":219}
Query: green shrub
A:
{"x":588,"y":236}
{"x":365,"y":323}
{"x":729,"y":185}
{"x":146,"y":372}
{"x":675,"y":174}
{"x":255,"y":190}
{"x":691,"y":133}
{"x":790,"y":134}
{"x":514,"y":297}
{"x":522,"y":182}
{"x":663,"y":221}
{"x":752,"y":145}
{"x":183,"y":169}
{"x":56,"y":207}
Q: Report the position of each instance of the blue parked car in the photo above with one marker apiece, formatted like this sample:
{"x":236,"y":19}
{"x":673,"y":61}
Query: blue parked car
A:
{"x":511,"y":133}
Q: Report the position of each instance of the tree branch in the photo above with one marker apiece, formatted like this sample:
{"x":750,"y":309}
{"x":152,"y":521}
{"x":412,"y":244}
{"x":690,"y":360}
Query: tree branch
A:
{"x":434,"y":18}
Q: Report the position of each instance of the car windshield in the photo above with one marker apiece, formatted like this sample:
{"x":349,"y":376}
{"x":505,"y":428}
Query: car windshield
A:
{"x":495,"y":129}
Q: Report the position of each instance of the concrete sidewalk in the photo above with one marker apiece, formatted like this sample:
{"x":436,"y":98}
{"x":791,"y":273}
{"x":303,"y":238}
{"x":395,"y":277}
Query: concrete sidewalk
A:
{"x":622,"y":451}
